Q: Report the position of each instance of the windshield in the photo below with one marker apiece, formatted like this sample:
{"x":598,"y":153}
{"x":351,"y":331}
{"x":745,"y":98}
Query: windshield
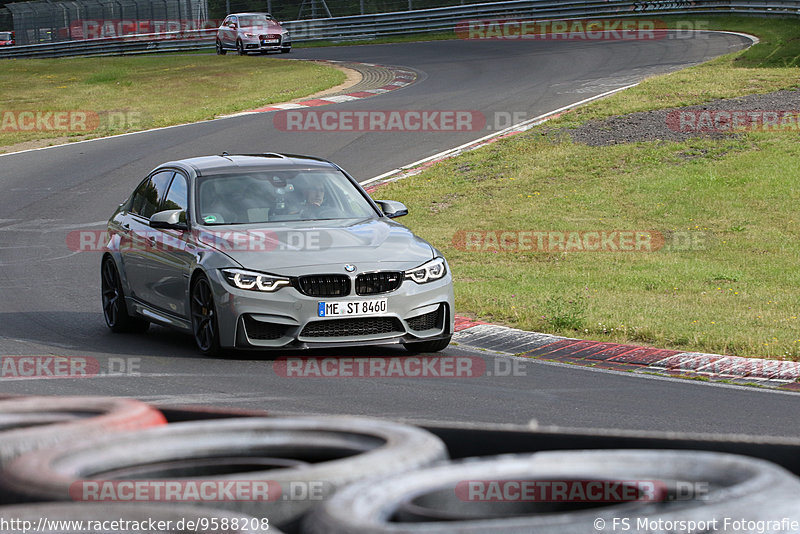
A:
{"x":275,"y":196}
{"x":254,"y":20}
{"x":5,"y":36}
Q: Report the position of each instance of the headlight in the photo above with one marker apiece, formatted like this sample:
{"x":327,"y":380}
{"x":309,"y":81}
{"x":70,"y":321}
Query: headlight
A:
{"x":249,"y":35}
{"x":433,"y":270}
{"x":254,"y":281}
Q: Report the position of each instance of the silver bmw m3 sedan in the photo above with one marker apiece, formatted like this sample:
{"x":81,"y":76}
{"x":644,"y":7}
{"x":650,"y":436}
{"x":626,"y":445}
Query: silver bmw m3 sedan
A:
{"x":271,"y":251}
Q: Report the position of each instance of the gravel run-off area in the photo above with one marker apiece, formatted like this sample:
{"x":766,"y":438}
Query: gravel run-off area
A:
{"x":718,"y":119}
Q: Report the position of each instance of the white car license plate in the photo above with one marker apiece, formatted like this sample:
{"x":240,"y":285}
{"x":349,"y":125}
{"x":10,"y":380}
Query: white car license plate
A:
{"x":353,"y":307}
{"x":271,"y":41}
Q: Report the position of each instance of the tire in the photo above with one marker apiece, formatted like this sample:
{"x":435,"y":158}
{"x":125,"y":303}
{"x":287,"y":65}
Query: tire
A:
{"x":205,"y":327}
{"x":240,"y":48}
{"x":285,"y":50}
{"x":436,"y":500}
{"x":220,"y":51}
{"x":139,"y":512}
{"x":322,"y":454}
{"x":115,"y":311}
{"x":31,"y":423}
{"x":428,"y":346}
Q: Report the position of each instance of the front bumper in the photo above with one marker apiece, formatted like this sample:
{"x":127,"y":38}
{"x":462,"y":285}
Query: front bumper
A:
{"x":266,"y":45}
{"x":288,"y":319}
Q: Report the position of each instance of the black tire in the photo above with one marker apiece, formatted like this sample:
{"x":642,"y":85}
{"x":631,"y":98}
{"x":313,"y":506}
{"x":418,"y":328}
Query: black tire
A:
{"x":31,"y":423}
{"x":220,"y":51}
{"x":285,"y":50}
{"x":140,"y":513}
{"x":240,"y":48}
{"x":428,"y":346}
{"x":115,"y":311}
{"x":205,"y":327}
{"x":437,"y":500}
{"x":321,"y":454}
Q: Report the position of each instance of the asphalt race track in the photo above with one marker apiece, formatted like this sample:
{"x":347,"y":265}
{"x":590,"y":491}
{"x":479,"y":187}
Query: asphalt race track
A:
{"x":50,"y":301}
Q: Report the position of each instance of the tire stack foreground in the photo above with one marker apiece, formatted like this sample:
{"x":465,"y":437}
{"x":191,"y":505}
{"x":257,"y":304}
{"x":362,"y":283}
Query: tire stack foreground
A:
{"x":344,"y":475}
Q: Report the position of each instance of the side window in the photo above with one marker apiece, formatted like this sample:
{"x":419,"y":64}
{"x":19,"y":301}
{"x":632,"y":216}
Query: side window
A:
{"x":177,"y":196}
{"x":135,"y":204}
{"x":150,"y":194}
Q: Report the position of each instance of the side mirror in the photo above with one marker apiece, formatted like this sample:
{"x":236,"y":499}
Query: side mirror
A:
{"x":169,"y":220}
{"x":392,"y":208}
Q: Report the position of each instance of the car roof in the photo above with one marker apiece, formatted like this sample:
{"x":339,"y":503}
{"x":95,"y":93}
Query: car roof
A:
{"x":250,"y":13}
{"x":205,"y":165}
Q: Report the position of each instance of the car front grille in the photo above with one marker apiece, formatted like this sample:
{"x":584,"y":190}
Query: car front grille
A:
{"x":362,"y":326}
{"x":263,"y":331}
{"x":324,"y":285}
{"x":426,"y":321}
{"x":264,"y":37}
{"x":380,"y":282}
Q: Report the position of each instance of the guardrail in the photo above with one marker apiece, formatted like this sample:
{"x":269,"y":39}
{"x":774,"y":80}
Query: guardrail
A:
{"x":410,"y":22}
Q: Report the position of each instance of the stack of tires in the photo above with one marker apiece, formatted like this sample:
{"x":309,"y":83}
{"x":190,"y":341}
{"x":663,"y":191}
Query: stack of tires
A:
{"x":694,"y":492}
{"x":100,"y":459}
{"x":297,"y":463}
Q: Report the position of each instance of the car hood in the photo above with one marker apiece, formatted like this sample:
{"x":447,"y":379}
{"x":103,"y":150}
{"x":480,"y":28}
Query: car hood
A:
{"x":305,"y":247}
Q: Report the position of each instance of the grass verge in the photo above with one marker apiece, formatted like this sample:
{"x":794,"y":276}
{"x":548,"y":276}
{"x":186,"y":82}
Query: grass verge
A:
{"x":123,"y":94}
{"x":735,"y":291}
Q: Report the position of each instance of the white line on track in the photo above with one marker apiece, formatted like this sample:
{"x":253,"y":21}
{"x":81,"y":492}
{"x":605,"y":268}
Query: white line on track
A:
{"x":376,"y":91}
{"x":519,"y":127}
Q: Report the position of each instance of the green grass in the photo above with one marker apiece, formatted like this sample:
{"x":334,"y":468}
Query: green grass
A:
{"x":770,"y":65}
{"x":135,"y":93}
{"x":737,"y":291}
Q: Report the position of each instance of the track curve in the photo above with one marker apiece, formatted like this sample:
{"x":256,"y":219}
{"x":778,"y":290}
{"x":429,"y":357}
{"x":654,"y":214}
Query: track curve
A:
{"x":50,"y":295}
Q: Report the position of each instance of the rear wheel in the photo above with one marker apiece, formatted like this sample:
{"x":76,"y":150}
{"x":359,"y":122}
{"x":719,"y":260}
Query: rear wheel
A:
{"x":220,"y":51}
{"x":204,"y":317}
{"x":114,"y":309}
{"x":428,"y":346}
{"x":240,"y":48}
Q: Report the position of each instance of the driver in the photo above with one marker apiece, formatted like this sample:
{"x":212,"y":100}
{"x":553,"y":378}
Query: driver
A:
{"x":314,"y":196}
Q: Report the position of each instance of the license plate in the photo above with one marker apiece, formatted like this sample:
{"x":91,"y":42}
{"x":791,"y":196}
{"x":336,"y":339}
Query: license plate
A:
{"x":271,"y":41}
{"x":353,"y":307}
